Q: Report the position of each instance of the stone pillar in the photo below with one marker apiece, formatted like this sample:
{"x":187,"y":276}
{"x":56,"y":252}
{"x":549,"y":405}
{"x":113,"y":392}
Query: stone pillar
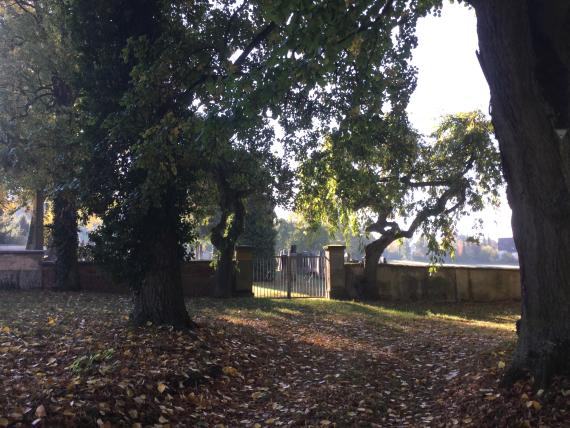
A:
{"x":335,"y":279}
{"x":244,"y":271}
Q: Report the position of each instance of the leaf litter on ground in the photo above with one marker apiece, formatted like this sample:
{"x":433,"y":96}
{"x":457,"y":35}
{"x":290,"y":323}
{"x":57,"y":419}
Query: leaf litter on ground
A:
{"x":71,"y":359}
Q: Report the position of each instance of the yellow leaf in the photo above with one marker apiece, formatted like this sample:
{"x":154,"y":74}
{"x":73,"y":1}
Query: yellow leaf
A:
{"x":230,"y":371}
{"x":501,"y":364}
{"x":534,"y":404}
{"x":161,"y":387}
{"x":51,"y":321}
{"x":6,"y":329}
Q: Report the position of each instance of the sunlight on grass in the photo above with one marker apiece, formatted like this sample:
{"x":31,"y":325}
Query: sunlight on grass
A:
{"x":479,"y":315}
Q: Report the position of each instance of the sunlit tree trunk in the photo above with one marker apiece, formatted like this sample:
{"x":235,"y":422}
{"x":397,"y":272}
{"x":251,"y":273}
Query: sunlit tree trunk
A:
{"x":36,"y":233}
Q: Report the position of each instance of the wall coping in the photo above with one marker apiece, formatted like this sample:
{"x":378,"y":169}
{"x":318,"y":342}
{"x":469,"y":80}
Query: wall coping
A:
{"x":421,"y":265}
{"x":326,"y":247}
{"x":21,"y":252}
{"x":87,"y":263}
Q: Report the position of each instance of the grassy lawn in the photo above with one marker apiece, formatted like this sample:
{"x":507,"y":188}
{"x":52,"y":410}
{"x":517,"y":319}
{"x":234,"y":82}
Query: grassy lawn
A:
{"x":71,"y":359}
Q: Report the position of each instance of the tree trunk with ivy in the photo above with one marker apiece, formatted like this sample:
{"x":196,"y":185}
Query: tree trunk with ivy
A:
{"x":159,"y":296}
{"x":525,"y":55}
{"x":65,"y":241}
{"x":224,"y":237}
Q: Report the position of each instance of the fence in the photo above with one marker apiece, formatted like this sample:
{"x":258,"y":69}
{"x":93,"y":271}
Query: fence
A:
{"x":289,"y":276}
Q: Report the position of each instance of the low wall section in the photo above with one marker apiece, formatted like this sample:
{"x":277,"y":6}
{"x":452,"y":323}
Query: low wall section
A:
{"x":448,"y":283}
{"x":20,"y":270}
{"x":197,"y":278}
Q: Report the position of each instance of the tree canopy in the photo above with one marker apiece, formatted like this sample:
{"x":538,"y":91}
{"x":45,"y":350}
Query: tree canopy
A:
{"x":394,"y":183}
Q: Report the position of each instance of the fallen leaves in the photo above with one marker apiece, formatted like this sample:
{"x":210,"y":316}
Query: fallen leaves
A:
{"x":41,"y":411}
{"x":268,"y":363}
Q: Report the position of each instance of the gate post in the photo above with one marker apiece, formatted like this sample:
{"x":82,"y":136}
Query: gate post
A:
{"x":335,"y":280}
{"x":244,"y":271}
{"x":291,"y":265}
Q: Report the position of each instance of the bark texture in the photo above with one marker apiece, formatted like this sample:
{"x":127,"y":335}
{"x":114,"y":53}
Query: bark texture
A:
{"x":373,"y":252}
{"x":160,"y":298}
{"x":36,"y":233}
{"x":525,"y":55}
{"x":65,"y":241}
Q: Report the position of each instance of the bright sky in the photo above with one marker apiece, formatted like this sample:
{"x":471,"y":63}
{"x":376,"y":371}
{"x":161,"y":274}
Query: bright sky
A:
{"x":450,"y":80}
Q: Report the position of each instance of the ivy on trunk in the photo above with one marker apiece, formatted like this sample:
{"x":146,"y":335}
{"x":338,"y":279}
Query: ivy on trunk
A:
{"x":65,"y":240}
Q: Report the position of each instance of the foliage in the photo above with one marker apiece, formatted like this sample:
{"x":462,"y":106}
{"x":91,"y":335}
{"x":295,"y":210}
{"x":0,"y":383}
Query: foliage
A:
{"x":13,"y":229}
{"x":296,"y":231}
{"x":384,"y":184}
{"x":181,"y":105}
{"x":259,"y":226}
{"x":38,"y":148}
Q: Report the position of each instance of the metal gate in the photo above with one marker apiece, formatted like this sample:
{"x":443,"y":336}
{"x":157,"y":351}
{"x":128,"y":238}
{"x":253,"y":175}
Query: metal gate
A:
{"x":295,"y":275}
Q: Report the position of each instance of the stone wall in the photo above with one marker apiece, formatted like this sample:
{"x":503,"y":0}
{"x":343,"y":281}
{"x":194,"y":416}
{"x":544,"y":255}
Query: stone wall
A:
{"x":450,"y":283}
{"x":20,"y":270}
{"x":197,"y":278}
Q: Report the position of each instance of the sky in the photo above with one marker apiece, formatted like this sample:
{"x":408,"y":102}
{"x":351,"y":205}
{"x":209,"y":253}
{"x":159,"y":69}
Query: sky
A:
{"x":450,"y":80}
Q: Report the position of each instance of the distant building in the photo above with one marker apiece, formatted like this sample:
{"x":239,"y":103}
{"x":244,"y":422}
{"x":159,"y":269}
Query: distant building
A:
{"x":507,"y":244}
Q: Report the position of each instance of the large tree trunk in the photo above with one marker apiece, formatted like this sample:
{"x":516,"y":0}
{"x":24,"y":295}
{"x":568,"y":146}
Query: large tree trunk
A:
{"x":525,"y":55}
{"x":36,"y":233}
{"x":373,"y":252}
{"x":224,"y":237}
{"x":225,"y":271}
{"x":160,"y":298}
{"x":65,"y":241}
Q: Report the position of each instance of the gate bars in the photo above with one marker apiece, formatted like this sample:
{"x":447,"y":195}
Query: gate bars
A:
{"x":289,"y":276}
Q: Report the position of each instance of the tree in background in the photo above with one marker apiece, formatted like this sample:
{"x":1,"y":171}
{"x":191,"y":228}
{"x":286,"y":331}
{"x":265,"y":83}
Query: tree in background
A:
{"x":38,"y":149}
{"x":13,"y":230}
{"x":525,"y":56}
{"x":297,"y":231}
{"x":259,"y":226}
{"x":370,"y":179}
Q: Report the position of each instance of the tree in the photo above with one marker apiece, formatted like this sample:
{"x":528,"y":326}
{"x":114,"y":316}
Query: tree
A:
{"x":259,"y":226}
{"x":38,"y":122}
{"x":133,"y":131}
{"x":173,"y":92}
{"x":525,"y":56}
{"x":395,"y":188}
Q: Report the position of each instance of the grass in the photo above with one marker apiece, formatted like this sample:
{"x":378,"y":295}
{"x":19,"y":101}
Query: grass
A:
{"x":501,"y":316}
